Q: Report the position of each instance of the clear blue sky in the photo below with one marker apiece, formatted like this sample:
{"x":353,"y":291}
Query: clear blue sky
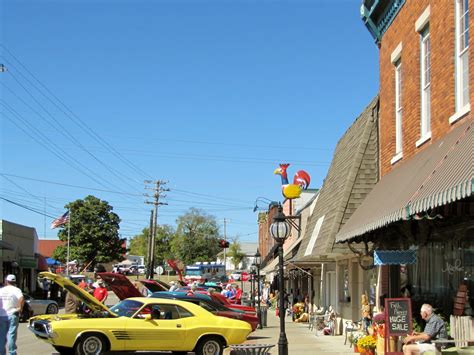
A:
{"x":208,"y":95}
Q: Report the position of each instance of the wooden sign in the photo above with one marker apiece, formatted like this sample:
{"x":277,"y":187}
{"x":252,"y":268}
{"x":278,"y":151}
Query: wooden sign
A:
{"x":398,"y":316}
{"x":398,"y":320}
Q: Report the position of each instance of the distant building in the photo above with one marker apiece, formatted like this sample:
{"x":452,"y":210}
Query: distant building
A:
{"x":249,"y":249}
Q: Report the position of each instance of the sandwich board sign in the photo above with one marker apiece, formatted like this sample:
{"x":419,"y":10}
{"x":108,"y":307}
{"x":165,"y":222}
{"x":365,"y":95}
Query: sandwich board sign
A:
{"x":398,"y":320}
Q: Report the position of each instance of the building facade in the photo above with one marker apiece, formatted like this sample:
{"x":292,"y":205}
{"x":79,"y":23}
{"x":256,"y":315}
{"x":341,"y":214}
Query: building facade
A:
{"x":423,"y":205}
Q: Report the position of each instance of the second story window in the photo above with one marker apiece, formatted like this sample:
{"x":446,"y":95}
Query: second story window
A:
{"x":425,"y":84}
{"x":398,"y":107}
{"x":462,"y":55}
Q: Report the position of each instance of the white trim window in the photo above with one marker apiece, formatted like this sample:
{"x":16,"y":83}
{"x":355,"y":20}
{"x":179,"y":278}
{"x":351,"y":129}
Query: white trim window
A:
{"x":462,"y":55}
{"x":398,"y":107}
{"x":425,"y":71}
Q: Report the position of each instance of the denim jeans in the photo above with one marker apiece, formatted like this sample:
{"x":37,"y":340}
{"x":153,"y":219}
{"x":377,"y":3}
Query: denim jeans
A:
{"x":12,"y":333}
{"x":4,"y":325}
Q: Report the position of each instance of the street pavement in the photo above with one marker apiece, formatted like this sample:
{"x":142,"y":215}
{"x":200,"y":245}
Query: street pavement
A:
{"x":300,"y":339}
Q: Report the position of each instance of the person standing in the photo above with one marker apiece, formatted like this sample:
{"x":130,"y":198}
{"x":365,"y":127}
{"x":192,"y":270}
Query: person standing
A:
{"x":100,"y":292}
{"x":366,"y":312}
{"x":10,"y":310}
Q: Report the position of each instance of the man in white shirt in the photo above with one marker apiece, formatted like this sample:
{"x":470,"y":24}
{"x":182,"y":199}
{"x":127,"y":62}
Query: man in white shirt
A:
{"x":12,"y":301}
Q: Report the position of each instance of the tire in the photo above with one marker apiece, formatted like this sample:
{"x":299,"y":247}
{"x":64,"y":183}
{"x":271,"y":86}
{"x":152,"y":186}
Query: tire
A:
{"x":210,"y":345}
{"x":52,"y":308}
{"x":91,"y":344}
{"x":63,"y":350}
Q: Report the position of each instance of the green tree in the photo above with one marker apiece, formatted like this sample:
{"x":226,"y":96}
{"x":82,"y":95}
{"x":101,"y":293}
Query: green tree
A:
{"x":139,"y":244}
{"x":235,"y":252}
{"x":94,"y":233}
{"x":196,"y":238}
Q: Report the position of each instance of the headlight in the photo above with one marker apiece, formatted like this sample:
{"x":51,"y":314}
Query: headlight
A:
{"x":49,"y":328}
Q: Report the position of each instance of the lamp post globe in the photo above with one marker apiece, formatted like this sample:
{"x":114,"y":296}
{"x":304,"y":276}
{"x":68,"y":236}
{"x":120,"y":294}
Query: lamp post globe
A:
{"x":280,"y":230}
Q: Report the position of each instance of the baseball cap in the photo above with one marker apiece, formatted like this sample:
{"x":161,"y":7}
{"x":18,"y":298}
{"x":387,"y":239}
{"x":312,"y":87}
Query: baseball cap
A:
{"x":11,"y":278}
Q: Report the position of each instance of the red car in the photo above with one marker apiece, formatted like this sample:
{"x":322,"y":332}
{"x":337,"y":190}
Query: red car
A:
{"x":225,"y":302}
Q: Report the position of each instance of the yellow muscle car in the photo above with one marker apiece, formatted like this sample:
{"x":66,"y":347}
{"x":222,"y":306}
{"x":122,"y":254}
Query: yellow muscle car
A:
{"x":136,"y":324}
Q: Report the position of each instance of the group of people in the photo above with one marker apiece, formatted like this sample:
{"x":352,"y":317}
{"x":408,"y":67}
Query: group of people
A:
{"x":97,"y":289}
{"x":233,"y":293}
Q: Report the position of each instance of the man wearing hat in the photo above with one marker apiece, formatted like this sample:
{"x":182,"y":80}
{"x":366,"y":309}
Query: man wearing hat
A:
{"x":12,"y":303}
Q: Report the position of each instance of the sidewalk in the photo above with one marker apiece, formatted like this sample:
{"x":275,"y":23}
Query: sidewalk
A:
{"x":300,"y":339}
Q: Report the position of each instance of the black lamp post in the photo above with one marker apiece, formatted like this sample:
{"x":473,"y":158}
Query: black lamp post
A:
{"x":280,"y":230}
{"x":257,"y":265}
{"x":252,"y":284}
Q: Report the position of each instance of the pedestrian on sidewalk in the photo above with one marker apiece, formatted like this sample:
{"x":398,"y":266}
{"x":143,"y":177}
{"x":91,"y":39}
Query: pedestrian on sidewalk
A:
{"x":12,"y":302}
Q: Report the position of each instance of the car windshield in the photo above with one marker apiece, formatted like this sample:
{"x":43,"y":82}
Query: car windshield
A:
{"x":126,"y":308}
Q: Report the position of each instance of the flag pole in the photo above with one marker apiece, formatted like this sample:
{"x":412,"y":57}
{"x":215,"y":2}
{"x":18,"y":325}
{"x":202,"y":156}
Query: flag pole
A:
{"x":68,"y":238}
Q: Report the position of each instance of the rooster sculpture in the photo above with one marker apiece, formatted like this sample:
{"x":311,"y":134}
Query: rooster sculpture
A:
{"x":301,"y":182}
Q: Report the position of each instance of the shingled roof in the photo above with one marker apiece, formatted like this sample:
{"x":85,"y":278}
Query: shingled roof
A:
{"x":351,"y":176}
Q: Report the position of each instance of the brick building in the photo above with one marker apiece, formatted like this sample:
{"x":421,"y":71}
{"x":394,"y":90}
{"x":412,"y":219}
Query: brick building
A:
{"x":422,"y":208}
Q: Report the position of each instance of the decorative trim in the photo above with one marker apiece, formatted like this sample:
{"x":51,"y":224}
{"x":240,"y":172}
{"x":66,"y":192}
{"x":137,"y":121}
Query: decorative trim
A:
{"x":396,"y":158}
{"x":396,"y":54}
{"x":465,"y":110}
{"x":422,"y":20}
{"x":423,"y":139}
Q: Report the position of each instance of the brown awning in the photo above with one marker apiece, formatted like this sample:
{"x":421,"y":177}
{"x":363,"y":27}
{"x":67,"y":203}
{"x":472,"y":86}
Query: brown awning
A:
{"x":440,"y":174}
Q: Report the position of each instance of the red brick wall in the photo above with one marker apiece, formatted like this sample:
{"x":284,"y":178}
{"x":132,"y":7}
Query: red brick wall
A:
{"x":402,"y":30}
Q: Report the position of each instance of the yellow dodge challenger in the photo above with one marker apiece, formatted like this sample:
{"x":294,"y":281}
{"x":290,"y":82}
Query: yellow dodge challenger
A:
{"x":136,"y":324}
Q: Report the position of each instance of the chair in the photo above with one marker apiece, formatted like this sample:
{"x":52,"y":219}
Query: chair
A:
{"x":352,"y":326}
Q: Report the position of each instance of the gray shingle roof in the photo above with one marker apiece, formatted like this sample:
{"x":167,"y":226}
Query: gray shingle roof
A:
{"x":351,"y":176}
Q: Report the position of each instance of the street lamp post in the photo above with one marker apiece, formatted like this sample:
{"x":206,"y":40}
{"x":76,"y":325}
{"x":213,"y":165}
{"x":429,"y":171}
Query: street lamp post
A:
{"x":257,"y":265}
{"x":280,"y":230}
{"x":252,"y":284}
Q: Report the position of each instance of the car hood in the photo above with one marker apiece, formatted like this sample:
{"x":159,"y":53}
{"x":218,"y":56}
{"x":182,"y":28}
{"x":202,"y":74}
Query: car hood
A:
{"x":120,"y":284}
{"x":89,"y":300}
{"x":153,"y":286}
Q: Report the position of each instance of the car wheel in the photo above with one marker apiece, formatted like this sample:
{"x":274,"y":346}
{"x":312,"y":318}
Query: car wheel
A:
{"x":63,"y":350}
{"x":91,"y":344}
{"x":210,"y":345}
{"x":52,"y":308}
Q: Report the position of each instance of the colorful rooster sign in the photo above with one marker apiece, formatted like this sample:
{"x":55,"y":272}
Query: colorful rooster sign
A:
{"x":300,"y":182}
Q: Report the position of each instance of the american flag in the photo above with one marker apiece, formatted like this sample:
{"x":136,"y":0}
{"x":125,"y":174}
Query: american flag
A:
{"x":60,"y":220}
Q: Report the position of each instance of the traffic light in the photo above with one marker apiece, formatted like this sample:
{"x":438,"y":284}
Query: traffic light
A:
{"x":223,"y":243}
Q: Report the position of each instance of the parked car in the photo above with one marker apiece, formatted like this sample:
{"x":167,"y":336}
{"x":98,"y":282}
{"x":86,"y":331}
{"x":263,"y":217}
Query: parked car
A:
{"x":236,"y":275}
{"x":210,"y":305}
{"x":187,"y":326}
{"x":38,"y":306}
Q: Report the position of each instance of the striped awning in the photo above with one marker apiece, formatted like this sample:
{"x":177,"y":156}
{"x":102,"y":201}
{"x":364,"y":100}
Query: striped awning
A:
{"x":442,"y":173}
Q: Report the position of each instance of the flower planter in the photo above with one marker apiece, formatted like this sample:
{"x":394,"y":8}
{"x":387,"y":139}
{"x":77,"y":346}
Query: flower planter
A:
{"x":367,"y":351}
{"x":356,"y":349}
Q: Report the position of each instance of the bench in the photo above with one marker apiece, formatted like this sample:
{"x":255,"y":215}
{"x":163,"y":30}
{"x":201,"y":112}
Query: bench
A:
{"x":250,"y":349}
{"x":440,"y":342}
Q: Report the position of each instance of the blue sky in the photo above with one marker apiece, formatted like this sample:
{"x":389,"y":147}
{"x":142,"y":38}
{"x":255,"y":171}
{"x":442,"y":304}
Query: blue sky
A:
{"x":207,"y":95}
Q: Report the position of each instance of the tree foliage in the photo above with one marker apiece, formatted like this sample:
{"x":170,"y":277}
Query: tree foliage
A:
{"x":139,"y":244}
{"x":235,"y":252}
{"x":94,"y":233}
{"x":196,"y":237}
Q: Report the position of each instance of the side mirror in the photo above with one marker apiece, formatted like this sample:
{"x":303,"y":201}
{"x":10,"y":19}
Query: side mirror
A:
{"x":148,"y":317}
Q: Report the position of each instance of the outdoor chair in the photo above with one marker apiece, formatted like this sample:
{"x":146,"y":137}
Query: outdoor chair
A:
{"x":352,"y":326}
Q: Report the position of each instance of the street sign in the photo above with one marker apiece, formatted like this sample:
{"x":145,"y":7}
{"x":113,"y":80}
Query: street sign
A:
{"x":159,"y":270}
{"x":244,"y":276}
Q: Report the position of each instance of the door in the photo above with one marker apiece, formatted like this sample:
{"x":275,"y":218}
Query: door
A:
{"x":166,"y":330}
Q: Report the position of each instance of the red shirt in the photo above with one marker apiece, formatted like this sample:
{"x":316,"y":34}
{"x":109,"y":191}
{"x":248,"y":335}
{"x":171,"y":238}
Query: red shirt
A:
{"x":101,"y":293}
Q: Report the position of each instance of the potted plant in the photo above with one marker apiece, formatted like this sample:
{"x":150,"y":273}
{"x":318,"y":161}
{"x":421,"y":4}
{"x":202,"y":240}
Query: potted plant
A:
{"x":367,"y":344}
{"x":354,"y":338}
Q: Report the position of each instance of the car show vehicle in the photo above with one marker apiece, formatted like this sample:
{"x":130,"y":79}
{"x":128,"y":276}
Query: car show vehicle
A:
{"x":38,"y":306}
{"x":210,"y":305}
{"x":136,"y":324}
{"x":225,"y":302}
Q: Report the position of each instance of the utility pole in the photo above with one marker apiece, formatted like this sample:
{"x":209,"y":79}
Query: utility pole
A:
{"x":225,"y":238}
{"x":158,"y":192}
